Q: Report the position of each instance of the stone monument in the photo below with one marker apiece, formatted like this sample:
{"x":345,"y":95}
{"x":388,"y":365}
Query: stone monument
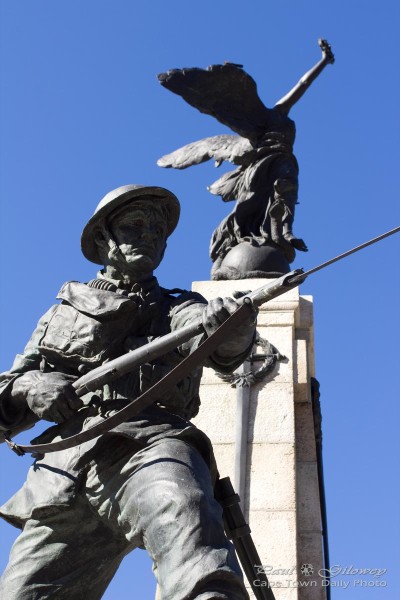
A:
{"x":123,"y":457}
{"x":278,"y":480}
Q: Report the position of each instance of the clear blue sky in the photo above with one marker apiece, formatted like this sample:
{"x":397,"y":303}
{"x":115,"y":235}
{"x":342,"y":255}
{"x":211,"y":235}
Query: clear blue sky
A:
{"x":82,"y":113}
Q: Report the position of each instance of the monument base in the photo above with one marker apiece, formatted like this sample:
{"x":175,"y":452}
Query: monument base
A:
{"x":281,"y":489}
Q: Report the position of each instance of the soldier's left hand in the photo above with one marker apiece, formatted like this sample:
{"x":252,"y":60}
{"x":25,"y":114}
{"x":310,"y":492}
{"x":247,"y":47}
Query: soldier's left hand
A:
{"x":219,"y":310}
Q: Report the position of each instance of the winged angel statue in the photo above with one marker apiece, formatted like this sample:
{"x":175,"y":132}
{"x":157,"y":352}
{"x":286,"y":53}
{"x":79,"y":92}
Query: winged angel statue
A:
{"x":256,"y":238}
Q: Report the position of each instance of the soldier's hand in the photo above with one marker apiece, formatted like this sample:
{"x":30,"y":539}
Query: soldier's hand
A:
{"x":50,"y":396}
{"x":216,"y":312}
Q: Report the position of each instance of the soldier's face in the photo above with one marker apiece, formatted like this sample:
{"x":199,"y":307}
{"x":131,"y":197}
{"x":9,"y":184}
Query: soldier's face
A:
{"x":140,"y":233}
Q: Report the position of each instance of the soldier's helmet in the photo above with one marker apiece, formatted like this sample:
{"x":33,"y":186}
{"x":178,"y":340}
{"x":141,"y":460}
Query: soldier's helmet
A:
{"x":125,"y":195}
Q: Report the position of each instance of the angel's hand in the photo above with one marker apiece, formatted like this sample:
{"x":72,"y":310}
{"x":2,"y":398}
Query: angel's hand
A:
{"x":327,"y":53}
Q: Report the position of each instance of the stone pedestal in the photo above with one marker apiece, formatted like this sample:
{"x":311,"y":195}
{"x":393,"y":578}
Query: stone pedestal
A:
{"x":281,"y":491}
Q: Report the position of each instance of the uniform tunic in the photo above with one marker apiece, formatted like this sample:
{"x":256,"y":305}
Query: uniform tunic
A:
{"x":145,"y":484}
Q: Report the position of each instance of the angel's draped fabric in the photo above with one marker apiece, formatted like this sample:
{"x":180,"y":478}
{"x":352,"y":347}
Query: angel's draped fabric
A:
{"x":252,"y":185}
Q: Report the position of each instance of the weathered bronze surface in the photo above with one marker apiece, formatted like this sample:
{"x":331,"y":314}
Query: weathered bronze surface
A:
{"x":149,"y":482}
{"x":256,"y":239}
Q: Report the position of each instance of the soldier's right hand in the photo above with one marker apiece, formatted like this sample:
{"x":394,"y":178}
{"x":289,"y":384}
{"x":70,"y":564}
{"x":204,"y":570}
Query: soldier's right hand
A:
{"x":50,"y":396}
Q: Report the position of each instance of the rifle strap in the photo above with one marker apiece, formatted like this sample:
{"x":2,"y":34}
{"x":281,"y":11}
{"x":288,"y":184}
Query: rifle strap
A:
{"x":185,"y":367}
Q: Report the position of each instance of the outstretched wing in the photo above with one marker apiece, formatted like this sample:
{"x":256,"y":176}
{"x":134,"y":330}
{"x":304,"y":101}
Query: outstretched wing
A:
{"x":225,"y":92}
{"x":220,"y":147}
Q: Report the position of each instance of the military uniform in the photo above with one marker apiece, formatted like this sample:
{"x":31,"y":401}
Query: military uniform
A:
{"x":145,"y":484}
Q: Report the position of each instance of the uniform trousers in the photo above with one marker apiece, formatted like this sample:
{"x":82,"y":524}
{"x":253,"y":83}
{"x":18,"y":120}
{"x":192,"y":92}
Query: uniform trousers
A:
{"x":159,"y":498}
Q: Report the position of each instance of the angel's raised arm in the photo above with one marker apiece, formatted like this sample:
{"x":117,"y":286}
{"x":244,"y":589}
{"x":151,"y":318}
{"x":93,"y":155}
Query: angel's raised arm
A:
{"x":286,"y":103}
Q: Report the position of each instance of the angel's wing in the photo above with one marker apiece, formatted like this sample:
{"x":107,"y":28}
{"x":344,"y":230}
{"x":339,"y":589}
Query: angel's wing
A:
{"x":225,"y":92}
{"x":220,"y":147}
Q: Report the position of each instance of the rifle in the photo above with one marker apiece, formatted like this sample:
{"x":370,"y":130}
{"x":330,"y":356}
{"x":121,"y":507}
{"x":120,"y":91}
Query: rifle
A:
{"x":126,"y":363}
{"x":110,"y":371}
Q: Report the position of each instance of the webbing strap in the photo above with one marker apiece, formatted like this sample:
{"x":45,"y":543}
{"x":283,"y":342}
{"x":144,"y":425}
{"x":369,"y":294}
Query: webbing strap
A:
{"x":187,"y":365}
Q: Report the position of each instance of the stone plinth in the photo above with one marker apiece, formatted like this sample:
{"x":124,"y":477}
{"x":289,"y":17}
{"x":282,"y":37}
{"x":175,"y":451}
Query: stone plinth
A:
{"x":281,"y":487}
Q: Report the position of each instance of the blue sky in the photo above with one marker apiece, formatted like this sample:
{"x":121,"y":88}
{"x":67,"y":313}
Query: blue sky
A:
{"x":82,"y":113}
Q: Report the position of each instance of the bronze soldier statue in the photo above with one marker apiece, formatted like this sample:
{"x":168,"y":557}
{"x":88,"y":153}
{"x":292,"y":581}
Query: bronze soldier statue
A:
{"x":149,"y":482}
